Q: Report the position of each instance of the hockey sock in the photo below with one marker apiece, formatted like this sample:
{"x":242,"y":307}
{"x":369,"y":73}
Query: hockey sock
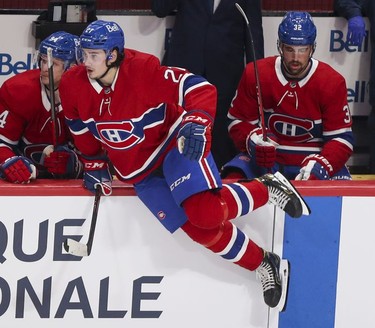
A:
{"x":229,"y":242}
{"x":235,"y":175}
{"x":232,"y":201}
{"x":244,"y":197}
{"x":206,"y":210}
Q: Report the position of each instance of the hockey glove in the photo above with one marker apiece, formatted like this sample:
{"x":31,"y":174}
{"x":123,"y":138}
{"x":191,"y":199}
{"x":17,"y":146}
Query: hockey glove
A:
{"x":356,"y":30}
{"x":18,"y":169}
{"x":315,"y":167}
{"x":96,"y":174}
{"x":62,"y":162}
{"x":262,"y":152}
{"x":194,"y":137}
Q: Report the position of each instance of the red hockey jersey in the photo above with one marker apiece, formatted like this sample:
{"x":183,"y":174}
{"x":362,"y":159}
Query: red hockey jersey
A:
{"x":308,"y":116}
{"x":136,"y":119}
{"x":25,"y":114}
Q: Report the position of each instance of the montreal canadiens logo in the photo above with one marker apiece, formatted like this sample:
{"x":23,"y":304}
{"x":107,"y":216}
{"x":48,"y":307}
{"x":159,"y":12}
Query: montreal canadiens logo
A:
{"x":128,"y":133}
{"x":119,"y":135}
{"x":291,"y":128}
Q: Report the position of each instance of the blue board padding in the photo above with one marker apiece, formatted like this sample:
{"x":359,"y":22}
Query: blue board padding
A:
{"x":311,"y":244}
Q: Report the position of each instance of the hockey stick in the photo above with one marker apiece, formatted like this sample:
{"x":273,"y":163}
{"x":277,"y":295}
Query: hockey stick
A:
{"x":258,"y":90}
{"x":80,"y":249}
{"x":52,"y":96}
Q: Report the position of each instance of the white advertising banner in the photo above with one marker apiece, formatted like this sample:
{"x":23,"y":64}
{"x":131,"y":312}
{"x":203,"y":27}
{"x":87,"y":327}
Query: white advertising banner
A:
{"x":138,"y":274}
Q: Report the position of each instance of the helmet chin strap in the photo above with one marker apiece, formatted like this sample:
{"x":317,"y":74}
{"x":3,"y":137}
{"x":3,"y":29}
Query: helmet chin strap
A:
{"x":105,"y":73}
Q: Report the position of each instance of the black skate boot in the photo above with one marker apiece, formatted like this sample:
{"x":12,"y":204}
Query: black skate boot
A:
{"x":284,"y":195}
{"x":274,"y":276}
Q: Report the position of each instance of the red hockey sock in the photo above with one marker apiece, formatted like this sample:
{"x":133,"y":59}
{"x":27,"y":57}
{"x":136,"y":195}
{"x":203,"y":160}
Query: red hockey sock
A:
{"x":229,"y":242}
{"x":244,"y":197}
{"x":252,"y":257}
{"x":235,"y":175}
{"x":232,"y":201}
{"x":206,"y":210}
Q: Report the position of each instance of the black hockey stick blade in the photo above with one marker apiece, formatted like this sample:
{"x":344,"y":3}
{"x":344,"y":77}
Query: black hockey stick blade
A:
{"x":80,"y":249}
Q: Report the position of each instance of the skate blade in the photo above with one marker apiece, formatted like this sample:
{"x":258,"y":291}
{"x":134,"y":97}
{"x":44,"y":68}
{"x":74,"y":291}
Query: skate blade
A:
{"x":305,"y":208}
{"x":284,"y":275}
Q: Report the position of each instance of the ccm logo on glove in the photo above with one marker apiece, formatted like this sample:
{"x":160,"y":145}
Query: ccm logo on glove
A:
{"x":197,"y":119}
{"x":194,"y":136}
{"x":94,"y":165}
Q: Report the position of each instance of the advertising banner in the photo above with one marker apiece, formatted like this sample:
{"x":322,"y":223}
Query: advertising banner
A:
{"x":137,"y":275}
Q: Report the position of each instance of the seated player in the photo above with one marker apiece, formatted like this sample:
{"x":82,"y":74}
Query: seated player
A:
{"x":26,"y":129}
{"x":306,"y":112}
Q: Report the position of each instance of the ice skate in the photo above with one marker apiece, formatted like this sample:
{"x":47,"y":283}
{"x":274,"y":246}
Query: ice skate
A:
{"x":274,"y":276}
{"x":284,"y":195}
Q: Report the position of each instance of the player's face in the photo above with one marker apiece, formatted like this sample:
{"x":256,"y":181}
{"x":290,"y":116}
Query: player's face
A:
{"x":58,"y":70}
{"x":296,"y":58}
{"x":95,"y":61}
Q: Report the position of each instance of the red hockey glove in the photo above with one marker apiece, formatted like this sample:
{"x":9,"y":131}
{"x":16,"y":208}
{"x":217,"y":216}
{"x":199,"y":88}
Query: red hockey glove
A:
{"x":194,"y":137}
{"x":62,"y":162}
{"x":96,"y":173}
{"x":315,"y":167}
{"x":263,"y":152}
{"x":18,"y":169}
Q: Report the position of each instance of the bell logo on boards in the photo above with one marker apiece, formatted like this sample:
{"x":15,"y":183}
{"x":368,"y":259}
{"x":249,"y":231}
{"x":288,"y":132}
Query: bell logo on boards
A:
{"x":8,"y":67}
{"x":338,"y":43}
